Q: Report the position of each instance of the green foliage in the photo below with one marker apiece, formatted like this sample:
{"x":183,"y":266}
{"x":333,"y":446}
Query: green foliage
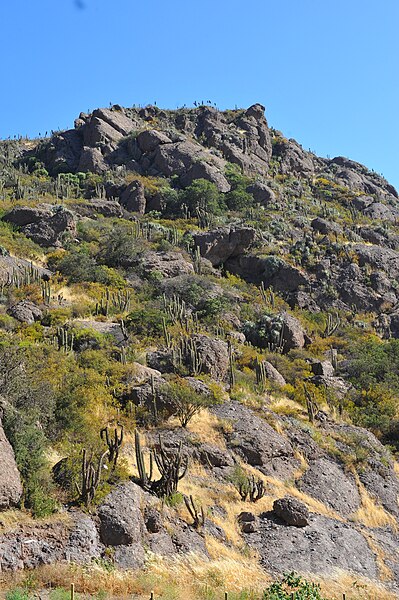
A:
{"x":186,"y":402}
{"x":29,"y":445}
{"x":203,"y":195}
{"x":18,"y":594}
{"x":293,"y":586}
{"x":146,"y":322}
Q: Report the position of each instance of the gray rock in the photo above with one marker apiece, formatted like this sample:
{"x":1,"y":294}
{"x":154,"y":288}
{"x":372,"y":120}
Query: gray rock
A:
{"x":25,"y":311}
{"x":291,"y":511}
{"x":151,"y":139}
{"x":133,"y":197}
{"x":325,"y":227}
{"x":213,"y":355}
{"x":121,"y":521}
{"x":129,"y":558}
{"x":226,"y":242}
{"x":327,"y":482}
{"x":262,"y":193}
{"x":294,"y":335}
{"x":273,"y":374}
{"x":50,"y":230}
{"x":256,"y":441}
{"x":213,"y":456}
{"x":168,"y":264}
{"x":322,"y":547}
{"x":323,"y":367}
{"x":97,"y":206}
{"x":10,"y":481}
{"x":92,"y":161}
{"x":24,"y":215}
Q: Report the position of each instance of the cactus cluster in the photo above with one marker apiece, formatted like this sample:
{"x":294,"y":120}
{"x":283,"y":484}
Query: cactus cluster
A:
{"x":114,"y":443}
{"x":64,"y":339}
{"x":91,"y":476}
{"x":251,"y":489}
{"x":120,"y":301}
{"x":172,"y":467}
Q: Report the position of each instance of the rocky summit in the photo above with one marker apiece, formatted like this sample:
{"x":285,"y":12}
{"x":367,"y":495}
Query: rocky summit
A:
{"x":199,"y":357}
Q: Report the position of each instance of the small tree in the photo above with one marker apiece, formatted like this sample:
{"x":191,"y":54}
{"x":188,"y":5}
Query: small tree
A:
{"x":186,"y":401}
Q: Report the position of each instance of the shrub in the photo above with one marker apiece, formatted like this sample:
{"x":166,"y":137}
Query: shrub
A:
{"x":185,"y":400}
{"x":292,"y":585}
{"x":203,"y":195}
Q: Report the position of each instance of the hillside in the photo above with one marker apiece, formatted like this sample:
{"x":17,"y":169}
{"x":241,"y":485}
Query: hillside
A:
{"x":199,"y":359}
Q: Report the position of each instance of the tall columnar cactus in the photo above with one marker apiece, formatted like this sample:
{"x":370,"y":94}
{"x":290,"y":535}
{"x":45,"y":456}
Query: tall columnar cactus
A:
{"x":144,"y":478}
{"x":251,"y":489}
{"x":332,"y":324}
{"x":197,"y":515}
{"x":65,"y":339}
{"x":197,"y":262}
{"x":172,"y":467}
{"x":311,"y":405}
{"x":232,"y":376}
{"x":91,"y":477}
{"x":114,"y":443}
{"x":261,"y":373}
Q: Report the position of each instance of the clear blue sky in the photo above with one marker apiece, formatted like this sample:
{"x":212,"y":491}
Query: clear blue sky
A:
{"x":327,"y":72}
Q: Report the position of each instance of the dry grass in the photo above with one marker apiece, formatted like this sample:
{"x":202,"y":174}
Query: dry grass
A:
{"x":207,"y":429}
{"x":188,"y":577}
{"x":370,"y":513}
{"x":385,"y":573}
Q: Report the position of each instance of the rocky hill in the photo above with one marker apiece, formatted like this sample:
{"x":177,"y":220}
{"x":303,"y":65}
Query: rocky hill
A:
{"x":199,"y":364}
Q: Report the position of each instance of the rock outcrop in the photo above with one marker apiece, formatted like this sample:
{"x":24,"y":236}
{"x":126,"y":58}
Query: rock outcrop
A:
{"x":10,"y":481}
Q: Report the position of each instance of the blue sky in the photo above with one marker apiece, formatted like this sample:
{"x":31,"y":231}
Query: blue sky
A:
{"x":327,"y":72}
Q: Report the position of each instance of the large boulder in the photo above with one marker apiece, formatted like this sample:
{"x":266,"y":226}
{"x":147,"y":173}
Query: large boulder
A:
{"x":25,"y":311}
{"x":291,"y":511}
{"x":213,"y":356}
{"x":148,"y":140}
{"x":254,"y":440}
{"x":10,"y":481}
{"x":46,"y":225}
{"x":168,"y":264}
{"x":121,"y":521}
{"x":133,"y":198}
{"x":221,"y":244}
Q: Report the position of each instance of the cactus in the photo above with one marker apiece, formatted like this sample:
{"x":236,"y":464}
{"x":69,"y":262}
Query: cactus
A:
{"x":114,"y":444}
{"x":254,"y":489}
{"x":144,"y":478}
{"x":332,"y":325}
{"x":197,"y":263}
{"x":261,"y":374}
{"x":172,"y":467}
{"x":91,"y":477}
{"x":46,"y":292}
{"x":311,"y":405}
{"x":268,"y":295}
{"x":232,"y":377}
{"x":198,"y":516}
{"x":65,"y":339}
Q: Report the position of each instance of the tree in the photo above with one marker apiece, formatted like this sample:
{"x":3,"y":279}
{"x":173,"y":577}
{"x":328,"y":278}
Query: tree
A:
{"x":185,"y":400}
{"x":203,"y":195}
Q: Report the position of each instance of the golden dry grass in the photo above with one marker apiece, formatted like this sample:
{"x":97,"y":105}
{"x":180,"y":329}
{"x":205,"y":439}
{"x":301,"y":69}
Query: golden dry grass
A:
{"x":370,"y":513}
{"x":187,"y":577}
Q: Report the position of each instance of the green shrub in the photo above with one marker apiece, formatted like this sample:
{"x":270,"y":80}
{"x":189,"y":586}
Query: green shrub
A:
{"x":293,"y":586}
{"x":203,"y":195}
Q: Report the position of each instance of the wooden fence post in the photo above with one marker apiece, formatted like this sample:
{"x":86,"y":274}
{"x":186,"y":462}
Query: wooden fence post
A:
{"x":72,"y":591}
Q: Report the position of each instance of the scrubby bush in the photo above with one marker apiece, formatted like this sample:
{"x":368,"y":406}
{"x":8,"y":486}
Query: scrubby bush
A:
{"x":185,"y":400}
{"x":203,"y":195}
